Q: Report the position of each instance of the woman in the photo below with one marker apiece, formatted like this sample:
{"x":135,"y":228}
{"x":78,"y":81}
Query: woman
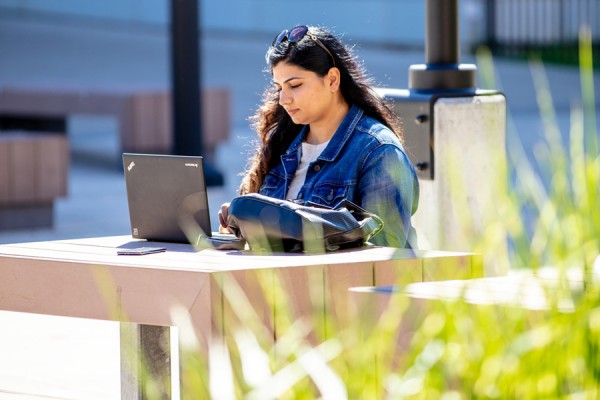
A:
{"x":325,"y":136}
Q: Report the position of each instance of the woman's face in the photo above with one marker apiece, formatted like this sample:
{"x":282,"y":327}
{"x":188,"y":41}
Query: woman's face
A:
{"x":307,"y":97}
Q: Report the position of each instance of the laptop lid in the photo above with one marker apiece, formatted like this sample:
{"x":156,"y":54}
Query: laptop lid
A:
{"x":166,"y":195}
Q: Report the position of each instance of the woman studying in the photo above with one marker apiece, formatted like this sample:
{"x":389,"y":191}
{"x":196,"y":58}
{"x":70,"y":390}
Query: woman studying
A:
{"x":325,"y":136}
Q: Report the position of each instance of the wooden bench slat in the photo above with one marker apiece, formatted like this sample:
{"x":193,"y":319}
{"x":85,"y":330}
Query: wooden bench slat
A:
{"x":144,"y":116}
{"x":4,"y":171}
{"x":33,"y":168}
{"x":22,"y":177}
{"x":52,"y":164}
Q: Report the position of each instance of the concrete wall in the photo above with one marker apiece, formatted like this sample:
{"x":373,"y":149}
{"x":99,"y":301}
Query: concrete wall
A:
{"x":400,"y":22}
{"x":388,"y":21}
{"x":152,"y":11}
{"x":396,"y":22}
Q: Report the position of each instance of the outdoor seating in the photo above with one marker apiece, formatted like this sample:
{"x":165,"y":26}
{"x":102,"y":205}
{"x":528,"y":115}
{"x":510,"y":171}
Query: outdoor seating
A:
{"x":85,"y":278}
{"x":33,"y":173}
{"x":34,"y":163}
{"x":143,"y":115}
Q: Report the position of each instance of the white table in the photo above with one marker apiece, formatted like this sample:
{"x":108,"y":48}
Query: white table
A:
{"x":86,"y":278}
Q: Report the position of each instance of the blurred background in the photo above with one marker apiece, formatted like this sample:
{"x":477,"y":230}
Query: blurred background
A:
{"x":124,"y":46}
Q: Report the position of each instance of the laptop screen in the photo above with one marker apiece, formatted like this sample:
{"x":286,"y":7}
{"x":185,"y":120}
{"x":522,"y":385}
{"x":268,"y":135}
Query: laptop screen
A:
{"x":167,"y":197}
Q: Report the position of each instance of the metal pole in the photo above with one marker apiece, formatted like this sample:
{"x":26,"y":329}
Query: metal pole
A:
{"x":442,"y":71}
{"x":185,"y":56}
{"x":442,"y":44}
{"x":490,"y":11}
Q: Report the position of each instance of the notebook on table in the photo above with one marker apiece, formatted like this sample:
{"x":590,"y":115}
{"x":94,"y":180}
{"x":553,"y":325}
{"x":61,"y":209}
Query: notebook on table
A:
{"x":167,"y":199}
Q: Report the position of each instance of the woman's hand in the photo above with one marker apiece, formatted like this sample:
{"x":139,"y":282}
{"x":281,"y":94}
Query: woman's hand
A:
{"x":223,"y":212}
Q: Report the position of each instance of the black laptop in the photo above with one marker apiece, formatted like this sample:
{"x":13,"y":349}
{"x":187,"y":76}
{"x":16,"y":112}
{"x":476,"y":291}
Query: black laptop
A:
{"x":167,"y":198}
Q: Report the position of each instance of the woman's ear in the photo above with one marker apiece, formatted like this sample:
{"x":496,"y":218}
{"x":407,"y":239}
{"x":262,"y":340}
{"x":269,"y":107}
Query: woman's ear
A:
{"x":333,"y":79}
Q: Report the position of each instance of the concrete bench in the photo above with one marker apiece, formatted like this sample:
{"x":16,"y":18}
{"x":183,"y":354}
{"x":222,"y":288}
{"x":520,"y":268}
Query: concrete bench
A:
{"x":192,"y":291}
{"x":33,"y":173}
{"x":144,"y":116}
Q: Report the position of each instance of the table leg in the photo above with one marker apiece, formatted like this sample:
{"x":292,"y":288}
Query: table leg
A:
{"x":146,"y":365}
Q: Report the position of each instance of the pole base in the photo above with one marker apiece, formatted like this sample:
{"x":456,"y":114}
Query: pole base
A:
{"x":442,"y":77}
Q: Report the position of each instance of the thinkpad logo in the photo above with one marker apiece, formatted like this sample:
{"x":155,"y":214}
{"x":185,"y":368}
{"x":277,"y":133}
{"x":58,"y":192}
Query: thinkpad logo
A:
{"x":191,"y":165}
{"x":130,"y":166}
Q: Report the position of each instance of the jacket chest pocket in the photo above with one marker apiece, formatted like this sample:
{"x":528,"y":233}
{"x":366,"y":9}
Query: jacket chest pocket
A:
{"x":273,"y":186}
{"x":329,"y":195}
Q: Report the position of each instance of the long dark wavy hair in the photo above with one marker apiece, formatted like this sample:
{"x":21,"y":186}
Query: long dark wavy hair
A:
{"x":275,"y":128}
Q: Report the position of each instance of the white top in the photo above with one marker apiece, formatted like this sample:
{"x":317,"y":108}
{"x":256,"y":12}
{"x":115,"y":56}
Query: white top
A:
{"x":310,"y":152}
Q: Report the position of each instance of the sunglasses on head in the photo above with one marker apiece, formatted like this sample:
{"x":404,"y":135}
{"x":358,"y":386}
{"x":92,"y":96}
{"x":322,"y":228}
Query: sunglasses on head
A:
{"x":297,"y":34}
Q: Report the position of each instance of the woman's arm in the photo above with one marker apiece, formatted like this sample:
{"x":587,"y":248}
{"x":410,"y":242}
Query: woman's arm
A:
{"x":388,"y":187}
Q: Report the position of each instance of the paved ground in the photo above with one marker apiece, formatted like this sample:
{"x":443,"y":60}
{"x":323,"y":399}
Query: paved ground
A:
{"x":42,"y":357}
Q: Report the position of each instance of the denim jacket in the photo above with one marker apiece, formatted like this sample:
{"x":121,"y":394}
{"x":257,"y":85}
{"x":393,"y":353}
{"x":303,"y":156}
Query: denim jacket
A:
{"x":365,"y":163}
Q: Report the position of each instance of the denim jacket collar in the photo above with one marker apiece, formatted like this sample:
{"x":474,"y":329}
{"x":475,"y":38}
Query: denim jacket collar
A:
{"x":341,"y":136}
